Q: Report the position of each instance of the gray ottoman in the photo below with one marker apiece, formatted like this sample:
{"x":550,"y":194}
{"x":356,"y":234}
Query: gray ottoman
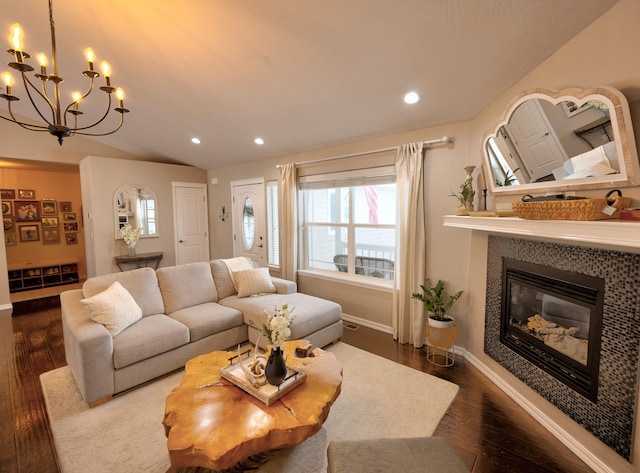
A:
{"x":411,"y":455}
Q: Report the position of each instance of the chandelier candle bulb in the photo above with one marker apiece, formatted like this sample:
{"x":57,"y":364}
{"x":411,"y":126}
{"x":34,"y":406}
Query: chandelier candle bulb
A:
{"x":8,"y":81}
{"x":106,"y":72}
{"x":88,"y":53}
{"x":120,"y":96}
{"x":42,"y":59}
{"x":16,"y":41}
{"x":76,"y":99}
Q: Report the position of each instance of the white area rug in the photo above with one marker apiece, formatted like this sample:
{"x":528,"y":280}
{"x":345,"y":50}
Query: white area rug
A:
{"x":379,"y":399}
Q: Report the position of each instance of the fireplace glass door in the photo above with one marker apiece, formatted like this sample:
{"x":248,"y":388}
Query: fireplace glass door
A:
{"x":553,"y":318}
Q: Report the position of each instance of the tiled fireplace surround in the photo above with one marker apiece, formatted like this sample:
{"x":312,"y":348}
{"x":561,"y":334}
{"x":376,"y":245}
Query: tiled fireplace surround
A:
{"x":553,"y":244}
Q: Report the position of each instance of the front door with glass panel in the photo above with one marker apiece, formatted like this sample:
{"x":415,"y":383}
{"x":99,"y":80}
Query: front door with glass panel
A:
{"x":249,"y":222}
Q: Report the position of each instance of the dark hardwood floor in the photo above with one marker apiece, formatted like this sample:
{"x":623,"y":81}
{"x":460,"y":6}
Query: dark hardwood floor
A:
{"x":490,"y":431}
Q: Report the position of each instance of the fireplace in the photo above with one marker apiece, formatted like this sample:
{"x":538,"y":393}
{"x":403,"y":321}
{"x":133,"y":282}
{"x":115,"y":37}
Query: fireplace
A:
{"x":596,"y":389}
{"x":553,"y":318}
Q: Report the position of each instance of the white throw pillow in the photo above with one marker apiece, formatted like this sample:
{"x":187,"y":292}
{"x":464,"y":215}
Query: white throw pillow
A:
{"x":115,"y":308}
{"x":253,"y":281}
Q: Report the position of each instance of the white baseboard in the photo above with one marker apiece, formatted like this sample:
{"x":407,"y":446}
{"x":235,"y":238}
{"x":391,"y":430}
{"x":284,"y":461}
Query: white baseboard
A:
{"x":547,"y":422}
{"x":6,"y":309}
{"x":367,"y":323}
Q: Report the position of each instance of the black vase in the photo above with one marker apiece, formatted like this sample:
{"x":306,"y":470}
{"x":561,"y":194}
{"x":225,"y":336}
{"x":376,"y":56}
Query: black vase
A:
{"x":276,"y":369}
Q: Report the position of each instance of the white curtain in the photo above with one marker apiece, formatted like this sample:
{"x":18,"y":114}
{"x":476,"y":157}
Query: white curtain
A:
{"x":288,"y":223}
{"x":408,"y":313}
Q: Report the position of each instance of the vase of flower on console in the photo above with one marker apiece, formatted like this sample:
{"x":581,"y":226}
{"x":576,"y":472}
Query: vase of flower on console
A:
{"x":277,"y":330}
{"x":130,"y":237}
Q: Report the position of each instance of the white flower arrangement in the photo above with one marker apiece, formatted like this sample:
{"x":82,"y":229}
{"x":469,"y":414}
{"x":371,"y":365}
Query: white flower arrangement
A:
{"x":130,"y":235}
{"x":277,"y":329}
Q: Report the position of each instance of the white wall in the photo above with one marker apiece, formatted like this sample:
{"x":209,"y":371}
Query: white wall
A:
{"x":100,"y":179}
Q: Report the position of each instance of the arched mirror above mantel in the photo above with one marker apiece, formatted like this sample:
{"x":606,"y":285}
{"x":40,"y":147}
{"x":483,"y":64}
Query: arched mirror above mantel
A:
{"x":572,"y":139}
{"x":136,"y":205}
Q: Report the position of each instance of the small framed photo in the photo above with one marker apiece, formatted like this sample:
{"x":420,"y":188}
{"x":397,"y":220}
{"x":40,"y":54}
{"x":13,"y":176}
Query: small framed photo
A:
{"x":9,"y":225}
{"x":71,"y":227}
{"x":8,"y":193}
{"x":69,"y":216}
{"x":49,"y":207}
{"x":50,"y":222}
{"x":27,"y":210}
{"x":65,"y":206}
{"x":50,"y":236}
{"x":71,"y":238}
{"x":29,"y":233}
{"x":10,"y":239}
{"x":26,"y":194}
{"x":7,"y":210}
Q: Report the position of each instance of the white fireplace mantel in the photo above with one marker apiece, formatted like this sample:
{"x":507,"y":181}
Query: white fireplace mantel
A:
{"x":617,"y":233}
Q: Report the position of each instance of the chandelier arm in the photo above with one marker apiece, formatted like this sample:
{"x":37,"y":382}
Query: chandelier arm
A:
{"x":82,"y":97}
{"x":98,"y":121}
{"x":71,"y":104}
{"x":27,"y":126}
{"x":101,"y":134}
{"x":45,"y":95}
{"x":27,"y":84}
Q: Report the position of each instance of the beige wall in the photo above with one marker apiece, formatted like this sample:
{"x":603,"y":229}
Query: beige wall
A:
{"x":101,"y":178}
{"x":61,"y":184}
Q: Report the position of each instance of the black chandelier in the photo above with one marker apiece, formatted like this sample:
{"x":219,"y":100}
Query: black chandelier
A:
{"x":59,"y":124}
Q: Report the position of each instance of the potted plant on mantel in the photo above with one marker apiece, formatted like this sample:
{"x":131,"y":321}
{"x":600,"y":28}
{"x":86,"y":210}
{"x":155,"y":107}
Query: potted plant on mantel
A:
{"x":436,"y":303}
{"x":465,"y":198}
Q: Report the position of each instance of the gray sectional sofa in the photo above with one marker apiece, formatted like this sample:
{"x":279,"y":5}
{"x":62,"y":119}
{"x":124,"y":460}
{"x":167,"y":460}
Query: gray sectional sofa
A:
{"x":184,"y":311}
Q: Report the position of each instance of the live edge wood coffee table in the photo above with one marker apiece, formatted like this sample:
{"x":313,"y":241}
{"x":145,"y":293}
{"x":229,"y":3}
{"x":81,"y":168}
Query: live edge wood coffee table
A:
{"x":211,"y":423}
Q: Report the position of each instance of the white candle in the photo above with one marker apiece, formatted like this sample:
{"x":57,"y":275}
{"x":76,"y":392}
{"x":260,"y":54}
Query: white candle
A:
{"x":483,"y":181}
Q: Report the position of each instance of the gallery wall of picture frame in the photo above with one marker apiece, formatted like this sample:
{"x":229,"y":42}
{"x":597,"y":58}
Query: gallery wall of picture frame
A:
{"x":27,"y":219}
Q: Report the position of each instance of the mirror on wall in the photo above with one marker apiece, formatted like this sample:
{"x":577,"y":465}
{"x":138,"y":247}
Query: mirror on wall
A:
{"x":136,"y":205}
{"x":562,"y":140}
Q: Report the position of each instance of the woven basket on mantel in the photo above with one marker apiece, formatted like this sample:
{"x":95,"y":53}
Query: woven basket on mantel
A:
{"x":578,"y":209}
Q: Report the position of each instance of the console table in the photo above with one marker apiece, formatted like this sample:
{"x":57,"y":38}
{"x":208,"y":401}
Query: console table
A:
{"x":141,"y":260}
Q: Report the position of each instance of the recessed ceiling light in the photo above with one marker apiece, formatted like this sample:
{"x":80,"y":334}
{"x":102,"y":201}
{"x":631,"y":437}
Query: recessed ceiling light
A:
{"x":195,"y":141}
{"x":411,"y":98}
{"x":258,"y":141}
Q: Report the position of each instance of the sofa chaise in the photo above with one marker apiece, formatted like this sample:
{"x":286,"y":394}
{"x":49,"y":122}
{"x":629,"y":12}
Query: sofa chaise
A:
{"x":124,"y":329}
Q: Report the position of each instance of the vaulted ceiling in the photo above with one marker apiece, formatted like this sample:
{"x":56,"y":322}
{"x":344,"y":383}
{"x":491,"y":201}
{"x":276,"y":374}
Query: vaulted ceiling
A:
{"x":301,"y":74}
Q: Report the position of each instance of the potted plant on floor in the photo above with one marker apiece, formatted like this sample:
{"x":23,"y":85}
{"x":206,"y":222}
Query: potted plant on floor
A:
{"x":441,"y":327}
{"x":437,"y":303}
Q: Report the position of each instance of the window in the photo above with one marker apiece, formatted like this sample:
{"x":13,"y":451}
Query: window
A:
{"x":273,"y":224}
{"x":349,"y":222}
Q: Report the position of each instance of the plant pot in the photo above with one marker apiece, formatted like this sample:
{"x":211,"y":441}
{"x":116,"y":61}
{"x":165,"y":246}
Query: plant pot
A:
{"x":462,"y":210}
{"x":441,"y":323}
{"x":441,"y":336}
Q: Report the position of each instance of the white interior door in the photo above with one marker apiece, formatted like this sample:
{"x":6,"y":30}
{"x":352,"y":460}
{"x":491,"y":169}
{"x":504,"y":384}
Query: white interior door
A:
{"x":191,"y":222}
{"x":535,"y":139}
{"x":249,"y":220}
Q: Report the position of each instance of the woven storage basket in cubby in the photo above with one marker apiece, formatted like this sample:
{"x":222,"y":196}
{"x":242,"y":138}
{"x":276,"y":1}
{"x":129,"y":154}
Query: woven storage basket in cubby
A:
{"x":578,"y":209}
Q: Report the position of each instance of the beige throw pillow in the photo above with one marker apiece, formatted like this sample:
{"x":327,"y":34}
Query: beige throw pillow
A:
{"x":115,"y":308}
{"x":253,"y":281}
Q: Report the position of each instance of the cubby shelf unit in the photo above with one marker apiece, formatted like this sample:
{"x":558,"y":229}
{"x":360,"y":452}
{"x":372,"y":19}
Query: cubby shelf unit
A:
{"x":28,"y":276}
